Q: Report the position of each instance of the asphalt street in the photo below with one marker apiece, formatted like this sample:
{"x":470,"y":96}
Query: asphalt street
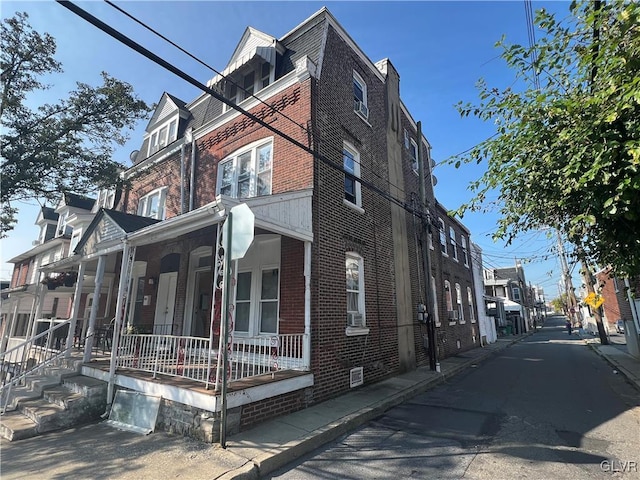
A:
{"x":547,"y":407}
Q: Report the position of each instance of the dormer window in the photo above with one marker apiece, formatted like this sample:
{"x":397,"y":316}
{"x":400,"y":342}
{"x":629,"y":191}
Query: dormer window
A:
{"x":242,"y":86}
{"x":63,"y":228}
{"x":163,"y":136}
{"x":105,"y":199}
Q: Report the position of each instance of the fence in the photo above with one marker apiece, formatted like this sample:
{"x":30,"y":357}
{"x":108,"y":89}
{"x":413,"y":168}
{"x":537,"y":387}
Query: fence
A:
{"x":192,"y":357}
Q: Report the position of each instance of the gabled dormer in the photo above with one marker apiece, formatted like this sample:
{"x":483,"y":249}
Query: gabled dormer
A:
{"x":69,"y":206}
{"x":251,"y":68}
{"x":47,"y":221}
{"x":164,"y":126}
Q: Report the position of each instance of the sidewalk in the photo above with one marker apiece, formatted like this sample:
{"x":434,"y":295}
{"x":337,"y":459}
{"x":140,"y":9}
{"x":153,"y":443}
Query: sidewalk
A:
{"x":620,"y":360}
{"x":277,"y":442}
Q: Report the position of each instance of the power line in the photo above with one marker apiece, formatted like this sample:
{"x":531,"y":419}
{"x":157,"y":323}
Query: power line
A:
{"x":178,"y":72}
{"x":241,"y":87}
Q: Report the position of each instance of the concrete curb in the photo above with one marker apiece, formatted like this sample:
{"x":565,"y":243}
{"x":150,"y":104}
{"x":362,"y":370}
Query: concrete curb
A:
{"x":621,"y":368}
{"x":270,"y":461}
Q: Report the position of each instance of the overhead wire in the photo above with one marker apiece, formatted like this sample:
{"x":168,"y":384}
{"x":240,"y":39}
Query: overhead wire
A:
{"x":241,"y":87}
{"x":178,"y":72}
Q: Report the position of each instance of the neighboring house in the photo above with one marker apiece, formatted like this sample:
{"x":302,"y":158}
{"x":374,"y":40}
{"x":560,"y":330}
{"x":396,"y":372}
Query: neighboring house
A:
{"x":27,"y":298}
{"x":327,"y":295}
{"x":486,"y":323}
{"x":509,"y":284}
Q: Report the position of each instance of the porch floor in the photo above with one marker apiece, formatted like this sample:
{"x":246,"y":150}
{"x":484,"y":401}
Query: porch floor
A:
{"x":102,"y":362}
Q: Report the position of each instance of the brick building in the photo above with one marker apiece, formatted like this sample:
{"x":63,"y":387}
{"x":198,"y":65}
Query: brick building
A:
{"x":343,"y":208}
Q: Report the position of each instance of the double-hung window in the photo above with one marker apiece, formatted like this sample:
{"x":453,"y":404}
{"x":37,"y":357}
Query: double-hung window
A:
{"x":454,"y":246}
{"x":153,"y":204}
{"x":413,"y":151}
{"x":355,"y":290}
{"x":258,"y":288}
{"x":443,"y":237}
{"x":360,"y":104}
{"x":351,"y":163}
{"x":515,"y":291}
{"x":465,"y":254}
{"x":459,"y":303}
{"x":472,"y":314}
{"x":247,"y":173}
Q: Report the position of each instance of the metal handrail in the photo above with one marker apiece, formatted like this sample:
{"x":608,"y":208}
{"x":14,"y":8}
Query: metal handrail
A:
{"x":14,"y":363}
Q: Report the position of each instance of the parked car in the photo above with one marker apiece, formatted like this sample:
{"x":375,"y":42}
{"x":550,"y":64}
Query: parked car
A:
{"x":620,"y":326}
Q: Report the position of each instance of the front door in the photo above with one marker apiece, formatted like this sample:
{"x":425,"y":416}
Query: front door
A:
{"x":202,"y":304}
{"x":165,"y":303}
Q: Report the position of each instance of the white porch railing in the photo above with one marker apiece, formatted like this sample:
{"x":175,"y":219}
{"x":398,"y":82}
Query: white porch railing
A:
{"x":192,"y":357}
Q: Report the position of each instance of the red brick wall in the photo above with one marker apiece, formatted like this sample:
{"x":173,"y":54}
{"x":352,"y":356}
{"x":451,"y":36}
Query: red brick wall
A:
{"x":616,"y":303}
{"x":273,"y":407}
{"x":292,"y":167}
{"x":339,"y":229}
{"x":291,"y":286}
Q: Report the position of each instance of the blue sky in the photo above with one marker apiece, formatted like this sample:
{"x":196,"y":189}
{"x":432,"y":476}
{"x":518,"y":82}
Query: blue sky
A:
{"x":440,"y":49}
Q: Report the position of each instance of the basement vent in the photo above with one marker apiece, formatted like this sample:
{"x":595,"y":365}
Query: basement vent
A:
{"x":356,"y":377}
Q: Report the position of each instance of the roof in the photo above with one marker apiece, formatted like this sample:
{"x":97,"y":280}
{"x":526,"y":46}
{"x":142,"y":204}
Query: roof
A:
{"x":129,"y":222}
{"x":79,"y":201}
{"x":49,"y":213}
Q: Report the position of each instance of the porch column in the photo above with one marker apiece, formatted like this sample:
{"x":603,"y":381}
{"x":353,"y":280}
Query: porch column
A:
{"x":33,"y":321}
{"x":77,"y":295}
{"x":109,"y":295}
{"x":306,"y":347}
{"x":88,"y":344}
{"x":126,"y":267}
{"x":9,"y":326}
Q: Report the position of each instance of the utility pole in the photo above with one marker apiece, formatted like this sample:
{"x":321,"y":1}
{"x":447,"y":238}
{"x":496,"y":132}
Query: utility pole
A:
{"x":426,"y":257}
{"x":566,"y":280}
{"x":597,"y":315}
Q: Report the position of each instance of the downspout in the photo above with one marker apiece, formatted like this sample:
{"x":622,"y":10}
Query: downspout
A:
{"x":192,"y":180}
{"x":182,"y":175}
{"x":306,"y":347}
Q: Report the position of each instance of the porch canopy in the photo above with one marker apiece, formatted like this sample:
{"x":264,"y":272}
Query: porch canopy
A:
{"x":288,"y":214}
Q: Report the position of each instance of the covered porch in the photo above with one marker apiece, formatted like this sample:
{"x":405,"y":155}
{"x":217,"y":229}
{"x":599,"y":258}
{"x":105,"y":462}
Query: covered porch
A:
{"x":159,"y":311}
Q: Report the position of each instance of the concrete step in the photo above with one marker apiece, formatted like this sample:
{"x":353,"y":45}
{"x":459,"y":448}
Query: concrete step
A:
{"x":15,"y":426}
{"x":75,"y":401}
{"x":37,"y":383}
{"x":20,"y":393}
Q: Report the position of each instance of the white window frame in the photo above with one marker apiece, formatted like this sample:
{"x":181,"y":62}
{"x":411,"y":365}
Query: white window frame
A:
{"x":163,"y":135}
{"x":406,"y":138}
{"x":353,"y":256}
{"x":144,"y":204}
{"x":443,"y":237}
{"x":436,"y":313}
{"x":472,"y":314}
{"x":448,"y":300}
{"x":235,"y":89}
{"x":256,"y":263}
{"x":253,"y":173}
{"x":351,"y":150}
{"x":459,"y":305}
{"x":358,"y":103}
{"x":454,"y":246}
{"x":75,"y":239}
{"x":413,"y":153}
{"x":106,"y":198}
{"x":515,"y":293}
{"x":465,"y":251}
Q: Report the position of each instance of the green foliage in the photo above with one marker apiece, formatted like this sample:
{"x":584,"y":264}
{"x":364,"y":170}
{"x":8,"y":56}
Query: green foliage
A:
{"x":567,"y":154}
{"x":61,"y":147}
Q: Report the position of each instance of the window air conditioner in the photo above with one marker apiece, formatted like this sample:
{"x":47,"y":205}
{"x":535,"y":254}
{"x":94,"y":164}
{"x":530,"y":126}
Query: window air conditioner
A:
{"x":361,"y":108}
{"x":355,"y":319}
{"x":452,"y":314}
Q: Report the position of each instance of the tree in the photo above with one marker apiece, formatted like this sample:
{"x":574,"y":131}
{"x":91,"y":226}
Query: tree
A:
{"x":566,"y":153}
{"x":61,"y":147}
